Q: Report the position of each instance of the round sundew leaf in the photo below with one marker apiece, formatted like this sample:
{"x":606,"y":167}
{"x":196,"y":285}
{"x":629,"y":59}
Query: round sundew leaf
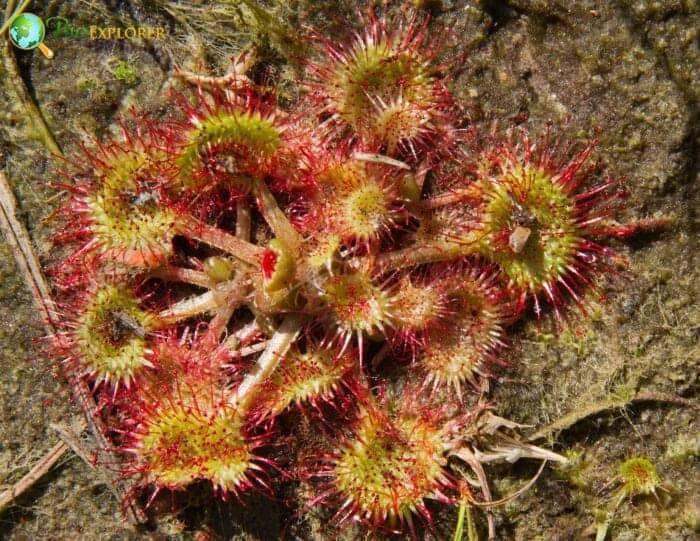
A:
{"x":110,"y":335}
{"x":182,"y":442}
{"x":390,"y":465}
{"x":356,"y":303}
{"x":233,"y":145}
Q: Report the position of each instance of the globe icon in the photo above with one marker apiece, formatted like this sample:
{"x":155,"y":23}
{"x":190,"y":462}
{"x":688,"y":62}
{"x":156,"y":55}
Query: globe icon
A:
{"x":27,"y":31}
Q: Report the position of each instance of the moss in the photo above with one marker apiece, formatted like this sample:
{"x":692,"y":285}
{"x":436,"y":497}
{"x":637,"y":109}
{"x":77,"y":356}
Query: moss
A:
{"x":683,"y":448}
{"x":575,"y":471}
{"x":86,"y":86}
{"x":576,"y":340}
{"x":126,"y":73}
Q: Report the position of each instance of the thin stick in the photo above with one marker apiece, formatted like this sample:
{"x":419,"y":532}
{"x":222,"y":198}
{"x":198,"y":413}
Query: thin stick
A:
{"x":20,"y":243}
{"x":37,"y":472}
{"x":71,"y":438}
{"x":575,"y":416}
{"x":20,"y":89}
{"x":10,"y":14}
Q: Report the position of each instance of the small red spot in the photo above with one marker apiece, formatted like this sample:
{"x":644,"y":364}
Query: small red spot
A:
{"x":269,"y":263}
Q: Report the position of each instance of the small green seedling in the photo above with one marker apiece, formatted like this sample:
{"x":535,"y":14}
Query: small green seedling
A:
{"x":639,"y":477}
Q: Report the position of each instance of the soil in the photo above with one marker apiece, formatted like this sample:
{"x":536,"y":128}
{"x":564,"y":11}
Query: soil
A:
{"x":625,"y":72}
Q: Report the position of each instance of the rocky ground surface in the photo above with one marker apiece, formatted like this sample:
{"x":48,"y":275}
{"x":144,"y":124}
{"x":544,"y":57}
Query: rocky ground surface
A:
{"x":624,"y":71}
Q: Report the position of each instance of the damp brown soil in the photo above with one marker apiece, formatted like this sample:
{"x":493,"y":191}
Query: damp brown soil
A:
{"x":625,"y":72}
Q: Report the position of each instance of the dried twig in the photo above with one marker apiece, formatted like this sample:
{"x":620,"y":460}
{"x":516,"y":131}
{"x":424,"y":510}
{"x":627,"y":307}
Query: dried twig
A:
{"x":11,"y":13}
{"x":36,"y":473}
{"x":596,"y":408}
{"x":32,"y":111}
{"x":71,"y":437}
{"x":20,"y":243}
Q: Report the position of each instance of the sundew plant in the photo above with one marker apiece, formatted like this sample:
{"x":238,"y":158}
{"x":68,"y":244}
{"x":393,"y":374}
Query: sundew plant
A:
{"x":358,"y":258}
